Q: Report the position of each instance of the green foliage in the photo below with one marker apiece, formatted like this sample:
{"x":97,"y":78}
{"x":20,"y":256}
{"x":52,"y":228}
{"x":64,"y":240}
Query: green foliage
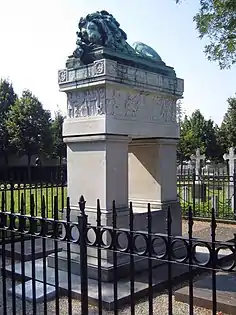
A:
{"x":180,"y":111}
{"x":28,"y":125}
{"x":58,"y":146}
{"x":7,"y":99}
{"x":227,"y":133}
{"x":216,"y":20}
{"x":197,"y":132}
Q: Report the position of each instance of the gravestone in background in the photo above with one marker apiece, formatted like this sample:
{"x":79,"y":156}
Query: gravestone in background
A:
{"x":199,"y":188}
{"x":231,"y":157}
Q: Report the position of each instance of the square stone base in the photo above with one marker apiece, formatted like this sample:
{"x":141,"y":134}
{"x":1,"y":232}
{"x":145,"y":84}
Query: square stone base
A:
{"x":159,"y":281}
{"x":159,"y":225}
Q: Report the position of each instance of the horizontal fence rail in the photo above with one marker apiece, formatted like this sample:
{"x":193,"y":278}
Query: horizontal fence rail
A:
{"x":116,"y":239}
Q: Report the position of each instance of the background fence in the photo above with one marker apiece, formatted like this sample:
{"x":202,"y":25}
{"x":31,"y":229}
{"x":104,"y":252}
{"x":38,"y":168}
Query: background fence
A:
{"x":45,"y":174}
{"x":206,"y":191}
{"x":201,"y":192}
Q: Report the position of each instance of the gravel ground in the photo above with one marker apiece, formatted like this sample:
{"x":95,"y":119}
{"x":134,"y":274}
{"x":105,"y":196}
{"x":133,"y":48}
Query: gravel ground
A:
{"x":160,"y":302}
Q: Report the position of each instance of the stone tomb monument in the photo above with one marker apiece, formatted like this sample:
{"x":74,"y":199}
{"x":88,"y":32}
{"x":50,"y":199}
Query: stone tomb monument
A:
{"x":121,"y":135}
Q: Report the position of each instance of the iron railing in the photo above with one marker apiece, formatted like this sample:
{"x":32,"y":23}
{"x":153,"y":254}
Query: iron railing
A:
{"x":174,"y":251}
{"x":205,"y":191}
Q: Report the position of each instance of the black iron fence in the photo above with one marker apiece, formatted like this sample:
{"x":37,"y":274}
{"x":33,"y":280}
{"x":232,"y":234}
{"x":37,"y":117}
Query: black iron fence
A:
{"x":206,"y":191}
{"x":168,"y":259}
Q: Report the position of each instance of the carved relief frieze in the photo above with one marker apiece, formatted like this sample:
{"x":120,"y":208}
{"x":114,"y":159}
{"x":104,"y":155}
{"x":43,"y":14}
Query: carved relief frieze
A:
{"x":99,"y":67}
{"x":86,"y":103}
{"x":62,"y":76}
{"x":140,"y":105}
{"x":121,"y":103}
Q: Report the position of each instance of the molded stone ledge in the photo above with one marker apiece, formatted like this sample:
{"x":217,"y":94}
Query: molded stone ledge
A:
{"x":110,"y":70}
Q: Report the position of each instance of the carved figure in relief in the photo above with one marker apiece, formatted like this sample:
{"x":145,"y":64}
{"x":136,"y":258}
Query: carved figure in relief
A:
{"x":102,"y":29}
{"x":168,"y":112}
{"x":86,"y":103}
{"x":132,"y":104}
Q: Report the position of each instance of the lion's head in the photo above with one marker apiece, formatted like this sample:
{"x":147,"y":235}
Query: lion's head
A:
{"x":102,"y":29}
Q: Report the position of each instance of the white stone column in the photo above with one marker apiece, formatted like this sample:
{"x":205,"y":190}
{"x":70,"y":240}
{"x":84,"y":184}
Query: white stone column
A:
{"x":97,"y":167}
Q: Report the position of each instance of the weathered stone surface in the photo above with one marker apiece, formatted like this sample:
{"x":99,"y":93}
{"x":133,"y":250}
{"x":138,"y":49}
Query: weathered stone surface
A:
{"x":160,"y":278}
{"x":50,"y":248}
{"x":39,"y":297}
{"x":226,"y":292}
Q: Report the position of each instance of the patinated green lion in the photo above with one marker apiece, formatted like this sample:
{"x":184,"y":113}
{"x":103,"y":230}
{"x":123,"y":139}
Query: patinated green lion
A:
{"x":102,"y":29}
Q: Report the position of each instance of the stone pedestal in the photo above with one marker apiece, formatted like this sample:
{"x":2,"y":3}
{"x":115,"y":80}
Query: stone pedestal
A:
{"x":98,"y":168}
{"x":121,"y":134}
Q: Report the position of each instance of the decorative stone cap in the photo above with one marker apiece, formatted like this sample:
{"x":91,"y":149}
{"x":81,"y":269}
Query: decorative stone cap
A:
{"x":106,"y":69}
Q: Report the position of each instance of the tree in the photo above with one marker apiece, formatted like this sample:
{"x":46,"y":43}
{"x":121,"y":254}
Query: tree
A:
{"x":7,"y":99}
{"x":58,"y":146}
{"x":180,"y":111}
{"x":227,"y":132}
{"x":197,"y":132}
{"x":216,"y":20}
{"x":28,"y":125}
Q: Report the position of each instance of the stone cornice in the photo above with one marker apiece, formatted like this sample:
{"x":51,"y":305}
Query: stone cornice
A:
{"x":110,"y":71}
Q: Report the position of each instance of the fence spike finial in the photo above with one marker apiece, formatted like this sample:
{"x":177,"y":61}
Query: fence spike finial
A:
{"x":82,"y":203}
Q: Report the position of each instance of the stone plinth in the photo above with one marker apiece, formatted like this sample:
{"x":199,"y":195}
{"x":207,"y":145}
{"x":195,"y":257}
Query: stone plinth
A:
{"x":121,"y":135}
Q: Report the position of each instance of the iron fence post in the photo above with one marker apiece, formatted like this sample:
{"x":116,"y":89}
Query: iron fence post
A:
{"x":194,"y":191}
{"x":82,"y":222}
{"x":234,"y":196}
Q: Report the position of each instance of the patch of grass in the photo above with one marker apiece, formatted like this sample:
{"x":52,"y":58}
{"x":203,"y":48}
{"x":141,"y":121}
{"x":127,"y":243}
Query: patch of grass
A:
{"x":203,"y":208}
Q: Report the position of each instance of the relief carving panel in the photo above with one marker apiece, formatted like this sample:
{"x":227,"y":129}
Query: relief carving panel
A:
{"x":121,"y":103}
{"x":140,"y":105}
{"x":86,"y":103}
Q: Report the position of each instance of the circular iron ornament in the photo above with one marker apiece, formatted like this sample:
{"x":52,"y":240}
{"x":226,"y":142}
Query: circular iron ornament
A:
{"x":230,"y":266}
{"x":110,"y":233}
{"x":58,"y":231}
{"x":194,"y":257}
{"x":8,"y":221}
{"x":26,"y":225}
{"x":94,"y":231}
{"x":184,"y":246}
{"x":22,"y":225}
{"x":136,"y":250}
{"x":71,"y":238}
{"x":123,"y":249}
{"x":49,"y":228}
{"x":43,"y":227}
{"x":164,"y":240}
{"x":63,"y":235}
{"x":14,"y":223}
{"x":37,"y":227}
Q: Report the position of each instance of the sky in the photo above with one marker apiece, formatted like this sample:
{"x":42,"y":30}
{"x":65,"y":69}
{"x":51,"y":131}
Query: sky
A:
{"x":37,"y":36}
